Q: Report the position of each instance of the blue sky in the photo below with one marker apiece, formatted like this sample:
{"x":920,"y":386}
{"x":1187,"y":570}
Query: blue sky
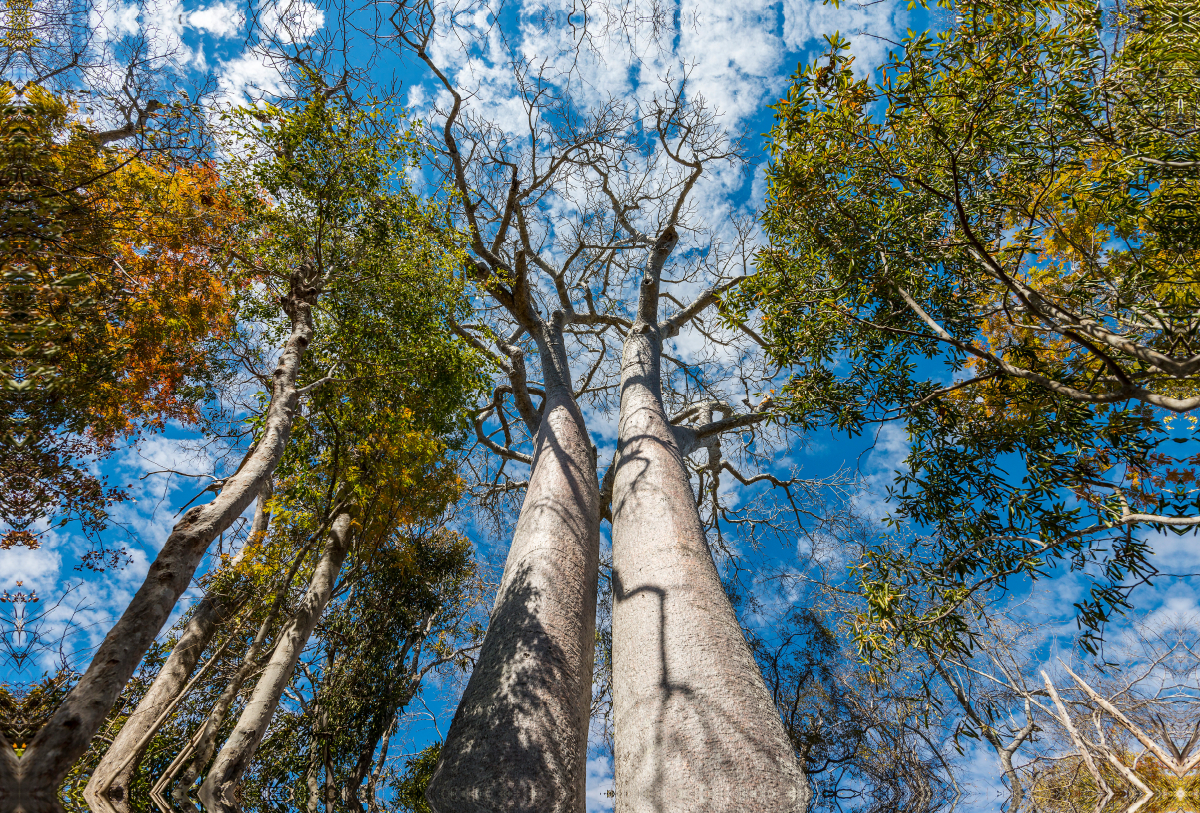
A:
{"x":739,"y":54}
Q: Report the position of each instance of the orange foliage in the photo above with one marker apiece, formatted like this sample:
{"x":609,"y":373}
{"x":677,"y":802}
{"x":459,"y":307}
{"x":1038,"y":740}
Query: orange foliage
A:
{"x":163,"y":289}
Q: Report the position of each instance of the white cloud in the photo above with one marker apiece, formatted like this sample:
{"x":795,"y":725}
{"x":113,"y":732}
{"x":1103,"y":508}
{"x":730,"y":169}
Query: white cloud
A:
{"x":599,"y":784}
{"x":1175,"y":554}
{"x":28,"y":570}
{"x":115,"y":20}
{"x":867,"y":26}
{"x":416,"y":97}
{"x":735,"y":54}
{"x":758,"y":186}
{"x":175,"y":33}
{"x":246,"y":73}
{"x":220,"y":20}
{"x":291,"y":20}
{"x":885,"y":459}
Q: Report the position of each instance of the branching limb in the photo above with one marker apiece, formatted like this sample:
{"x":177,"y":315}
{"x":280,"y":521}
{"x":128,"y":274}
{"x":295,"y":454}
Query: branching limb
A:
{"x":671,"y":326}
{"x":511,"y":454}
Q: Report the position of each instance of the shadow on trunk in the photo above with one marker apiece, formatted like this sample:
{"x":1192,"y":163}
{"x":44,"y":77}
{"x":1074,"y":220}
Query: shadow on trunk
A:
{"x":518,"y":664}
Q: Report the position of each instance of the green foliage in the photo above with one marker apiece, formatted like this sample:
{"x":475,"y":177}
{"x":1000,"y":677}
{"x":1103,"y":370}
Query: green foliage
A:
{"x":410,"y":788}
{"x":25,"y":709}
{"x":411,"y":607}
{"x":323,"y":181}
{"x":996,"y":243}
{"x":109,"y":290}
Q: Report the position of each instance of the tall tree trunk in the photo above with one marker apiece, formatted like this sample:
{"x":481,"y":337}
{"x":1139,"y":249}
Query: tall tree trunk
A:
{"x":218,"y":793}
{"x":518,"y":741}
{"x":330,"y":793}
{"x":312,"y":779}
{"x":66,"y":736}
{"x":206,"y":742}
{"x":318,"y":744}
{"x":695,"y":727}
{"x":107,"y":789}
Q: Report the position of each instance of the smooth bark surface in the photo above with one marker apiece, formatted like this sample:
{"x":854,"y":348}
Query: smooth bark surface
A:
{"x":107,"y":789}
{"x":205,"y":743}
{"x":66,"y":736}
{"x":518,"y":741}
{"x":696,"y":730}
{"x":218,"y":793}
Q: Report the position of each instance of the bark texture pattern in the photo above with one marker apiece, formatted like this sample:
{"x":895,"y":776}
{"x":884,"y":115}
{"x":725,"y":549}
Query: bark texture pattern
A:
{"x":695,"y":728}
{"x":518,"y":741}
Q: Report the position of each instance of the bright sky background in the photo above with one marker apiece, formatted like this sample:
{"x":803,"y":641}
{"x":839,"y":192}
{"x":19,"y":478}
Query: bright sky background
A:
{"x":740,"y":54}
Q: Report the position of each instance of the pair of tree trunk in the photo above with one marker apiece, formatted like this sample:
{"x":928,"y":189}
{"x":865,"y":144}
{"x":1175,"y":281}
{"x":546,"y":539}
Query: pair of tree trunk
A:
{"x":219,"y":791}
{"x":107,"y":790}
{"x":696,"y":729}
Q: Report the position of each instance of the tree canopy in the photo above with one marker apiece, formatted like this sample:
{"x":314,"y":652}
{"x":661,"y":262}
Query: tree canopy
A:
{"x":115,"y":285}
{"x":995,"y":243}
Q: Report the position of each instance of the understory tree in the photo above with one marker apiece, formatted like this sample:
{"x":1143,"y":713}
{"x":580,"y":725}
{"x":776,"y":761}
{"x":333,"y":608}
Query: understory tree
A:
{"x":320,"y":208}
{"x":1076,"y":735}
{"x":995,"y":243}
{"x":103,"y":241}
{"x":867,"y":743}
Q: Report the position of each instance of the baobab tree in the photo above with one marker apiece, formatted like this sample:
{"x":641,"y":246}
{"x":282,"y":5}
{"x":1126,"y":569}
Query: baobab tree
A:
{"x":581,"y":218}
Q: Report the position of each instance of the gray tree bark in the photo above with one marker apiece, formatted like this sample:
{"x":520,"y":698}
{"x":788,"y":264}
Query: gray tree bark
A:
{"x":65,"y":737}
{"x":205,"y":743}
{"x":218,"y":793}
{"x":518,"y":741}
{"x":695,"y":728}
{"x":107,"y":789}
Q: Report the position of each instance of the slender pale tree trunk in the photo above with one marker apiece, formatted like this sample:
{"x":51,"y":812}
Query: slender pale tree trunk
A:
{"x":206,"y":743}
{"x":518,"y":741}
{"x":330,"y":792}
{"x":66,"y":736}
{"x":218,"y":793}
{"x":318,"y":745}
{"x":312,"y":780}
{"x":107,"y":789}
{"x":409,"y":674}
{"x":203,"y":747}
{"x":695,"y":728}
